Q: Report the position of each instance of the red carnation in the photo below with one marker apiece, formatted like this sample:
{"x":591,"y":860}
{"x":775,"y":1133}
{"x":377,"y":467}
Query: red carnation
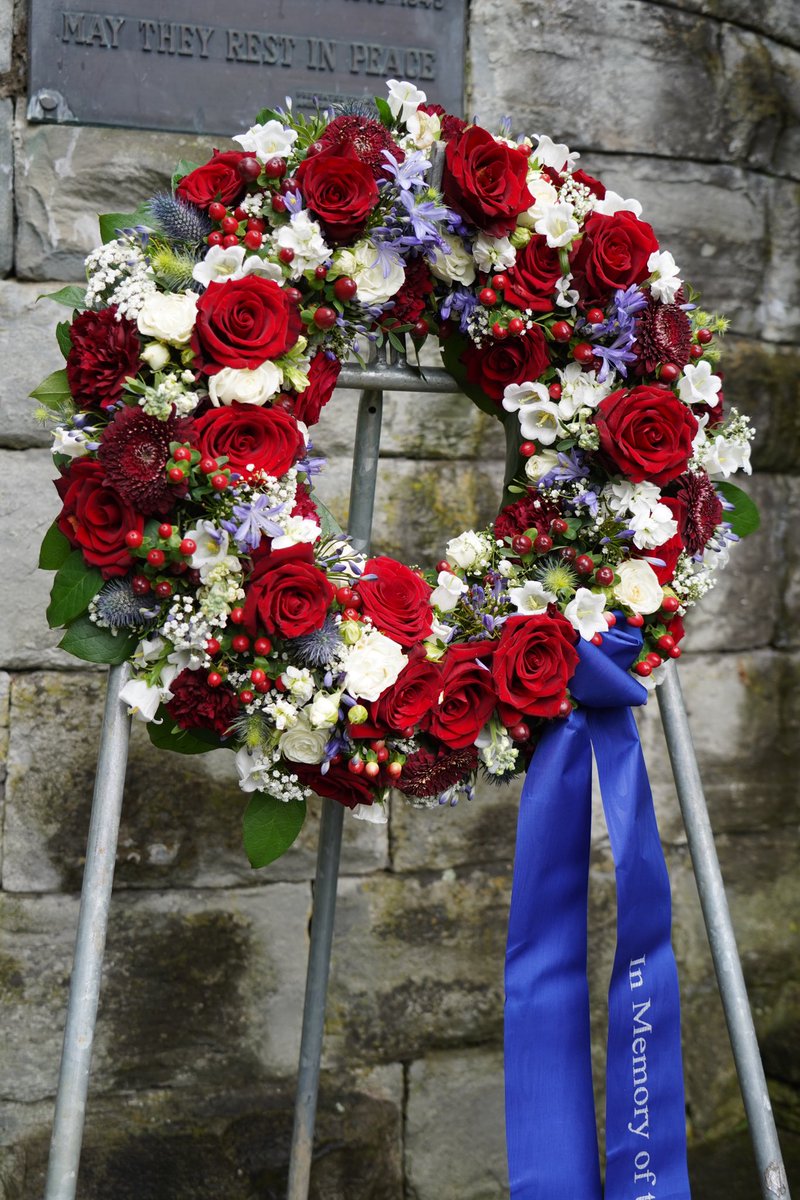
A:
{"x":196,"y":705}
{"x":304,"y":505}
{"x":287,"y":593}
{"x":218,"y":179}
{"x":612,"y":253}
{"x":534,"y":661}
{"x":396,"y":600}
{"x":529,"y":512}
{"x":95,"y":519}
{"x":646,"y":433}
{"x":429,"y":773}
{"x":253,"y":439}
{"x":134,"y":451}
{"x":468,"y":694}
{"x":495,"y":364}
{"x":341,"y":192}
{"x":322,"y":376}
{"x":533,"y":278}
{"x":408,"y":305}
{"x":362,"y":138}
{"x":242,"y":323}
{"x":105,"y":352}
{"x":484,"y":181}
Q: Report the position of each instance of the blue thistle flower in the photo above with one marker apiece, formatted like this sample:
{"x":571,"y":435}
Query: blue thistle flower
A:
{"x":119,"y":607}
{"x":180,"y":221}
{"x":318,"y":647}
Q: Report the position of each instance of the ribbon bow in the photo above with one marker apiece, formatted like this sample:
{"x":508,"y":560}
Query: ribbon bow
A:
{"x":550,"y":1118}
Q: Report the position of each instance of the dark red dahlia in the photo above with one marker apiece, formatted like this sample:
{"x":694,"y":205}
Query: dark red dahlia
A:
{"x":195,"y":705}
{"x":703,"y":510}
{"x":134,"y":452}
{"x":529,"y":512}
{"x":105,"y":351}
{"x":409,"y":302}
{"x":364,"y":139}
{"x":429,"y":772}
{"x":451,"y":126}
{"x":663,"y":335}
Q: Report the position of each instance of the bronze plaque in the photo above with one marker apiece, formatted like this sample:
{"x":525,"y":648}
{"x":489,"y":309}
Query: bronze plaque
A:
{"x":204,"y":67}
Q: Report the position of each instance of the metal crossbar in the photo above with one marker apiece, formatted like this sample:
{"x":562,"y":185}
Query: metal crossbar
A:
{"x":73,"y":1084}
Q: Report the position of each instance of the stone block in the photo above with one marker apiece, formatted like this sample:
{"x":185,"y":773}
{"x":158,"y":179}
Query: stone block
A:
{"x":455,"y":1127}
{"x":417,"y":964}
{"x":30,"y":328}
{"x":763,"y":381}
{"x":434,"y":839}
{"x":667,"y":64}
{"x":6,"y":183}
{"x":199,"y":989}
{"x":6,"y":34}
{"x":181,"y":820}
{"x":788,"y":632}
{"x":776,"y":18}
{"x":67,"y":174}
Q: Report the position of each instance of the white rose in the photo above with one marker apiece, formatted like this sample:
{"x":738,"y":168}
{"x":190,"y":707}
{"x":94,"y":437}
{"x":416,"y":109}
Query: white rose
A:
{"x":424,"y":129}
{"x":466,"y":550}
{"x":323,"y":711}
{"x":377,"y":278}
{"x":404,"y":98}
{"x":457,"y":266}
{"x":248,"y":387}
{"x":168,"y":316}
{"x":373,"y":665}
{"x":638,"y":587}
{"x":271,"y":140}
{"x":155,"y":355}
{"x":541,"y":464}
{"x":302,"y":744}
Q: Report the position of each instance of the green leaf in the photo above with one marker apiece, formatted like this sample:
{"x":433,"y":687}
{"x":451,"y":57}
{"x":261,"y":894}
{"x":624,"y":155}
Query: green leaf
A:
{"x":270,"y":826}
{"x":53,"y":391}
{"x":63,"y":337}
{"x":384,"y":112}
{"x":183,"y":169}
{"x":745,"y":517}
{"x":452,"y":348}
{"x":73,"y":588}
{"x":88,"y":641}
{"x":55,"y":549}
{"x":112,"y":223}
{"x":399,"y":346}
{"x":72,"y":295}
{"x":330,"y":526}
{"x":169,"y":736}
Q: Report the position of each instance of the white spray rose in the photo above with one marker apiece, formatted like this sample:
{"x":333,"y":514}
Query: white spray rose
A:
{"x":638,"y":587}
{"x":155,"y":355}
{"x":247,"y":387}
{"x":169,"y":317}
{"x":302,"y":744}
{"x":468,"y":550}
{"x":541,"y":464}
{"x":323,"y":711}
{"x":373,"y":665}
{"x":456,"y":266}
{"x":377,"y":279}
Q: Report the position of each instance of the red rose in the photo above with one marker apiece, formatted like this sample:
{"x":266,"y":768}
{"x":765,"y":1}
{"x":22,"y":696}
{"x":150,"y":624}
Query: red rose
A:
{"x":196,"y":705}
{"x":322,"y":376}
{"x":612,"y":253}
{"x":253,"y":439}
{"x":242,"y":323}
{"x":286,"y":593}
{"x":406,"y":704}
{"x":494,"y":365}
{"x":340,"y":191}
{"x":397,"y":600}
{"x":338,"y":783}
{"x":533,"y":663}
{"x":485,"y":181}
{"x":105,"y":351}
{"x":95,"y":519}
{"x":218,"y":179}
{"x":646,"y":433}
{"x":533,"y":278}
{"x":468,"y":695}
{"x":580,"y":176}
{"x":668,"y":551}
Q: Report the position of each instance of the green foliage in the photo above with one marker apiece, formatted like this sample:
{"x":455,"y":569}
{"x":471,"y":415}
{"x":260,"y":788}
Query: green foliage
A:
{"x":74,"y":586}
{"x":169,"y":736}
{"x":55,"y":549}
{"x":330,"y":526}
{"x":452,"y":348}
{"x":88,"y":641}
{"x":270,"y":826}
{"x":53,"y":392}
{"x":112,"y":223}
{"x":384,"y":112}
{"x":72,"y":296}
{"x":744,"y":518}
{"x":63,"y":337}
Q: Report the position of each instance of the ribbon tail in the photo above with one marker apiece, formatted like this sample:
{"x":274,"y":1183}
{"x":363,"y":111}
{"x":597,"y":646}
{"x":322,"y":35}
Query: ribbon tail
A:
{"x":550,"y":1119}
{"x":645,"y":1110}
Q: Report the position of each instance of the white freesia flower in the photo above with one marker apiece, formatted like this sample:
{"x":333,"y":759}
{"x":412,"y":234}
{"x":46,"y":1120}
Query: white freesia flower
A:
{"x":249,"y":766}
{"x":247,"y":387}
{"x":372,"y":665}
{"x":299,"y":684}
{"x":212,"y":547}
{"x":724,"y":456}
{"x":424,"y":129}
{"x":613,"y":203}
{"x":557,"y":223}
{"x":540,"y":464}
{"x":376,"y":278}
{"x":520,"y":395}
{"x":71,"y":442}
{"x":303,"y":236}
{"x":149,"y":649}
{"x":296,"y":530}
{"x":323,"y":711}
{"x":638,"y":587}
{"x":156,"y":355}
{"x":141,"y":698}
{"x":220,"y":264}
{"x":585,"y":613}
{"x":469,"y":550}
{"x":699,"y":384}
{"x":653,"y":526}
{"x":375,"y":813}
{"x":493,"y":254}
{"x":545,"y":195}
{"x":456,"y":266}
{"x":449,"y":591}
{"x":532,"y":597}
{"x":581,"y":389}
{"x":554,"y":154}
{"x":253,"y":265}
{"x":622,"y":496}
{"x":404,"y":98}
{"x":667,"y":280}
{"x":539,"y":422}
{"x":169,"y":316}
{"x":271,"y":140}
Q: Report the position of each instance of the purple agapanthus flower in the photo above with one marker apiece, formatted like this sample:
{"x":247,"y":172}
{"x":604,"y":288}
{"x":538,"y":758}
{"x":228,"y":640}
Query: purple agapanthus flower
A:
{"x":254,"y":520}
{"x":460,"y":303}
{"x":571,"y":465}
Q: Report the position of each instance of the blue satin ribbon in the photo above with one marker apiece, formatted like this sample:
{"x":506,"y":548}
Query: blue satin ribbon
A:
{"x":550,"y":1117}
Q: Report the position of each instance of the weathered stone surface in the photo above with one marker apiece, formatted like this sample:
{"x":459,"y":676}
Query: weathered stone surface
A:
{"x":68,"y":174}
{"x":776,"y":18}
{"x":181,"y":820}
{"x":482,"y":831}
{"x":199,"y":989}
{"x":455,"y":1127}
{"x":31,"y":328}
{"x":666,"y":64}
{"x":763,"y":381}
{"x":6,"y":185}
{"x":788,"y":633}
{"x":6,"y":31}
{"x":417,"y":964}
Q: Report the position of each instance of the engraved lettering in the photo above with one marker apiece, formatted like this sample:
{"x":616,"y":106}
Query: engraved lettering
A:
{"x":96,"y":31}
{"x":116,"y":24}
{"x":428,"y":68}
{"x":235,"y":45}
{"x":204,"y":32}
{"x":147,"y":30}
{"x":321,"y":54}
{"x":186,"y":39}
{"x":72,"y":27}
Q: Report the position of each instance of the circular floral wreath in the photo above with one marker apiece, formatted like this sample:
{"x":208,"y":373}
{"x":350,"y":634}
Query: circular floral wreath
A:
{"x":209,"y":338}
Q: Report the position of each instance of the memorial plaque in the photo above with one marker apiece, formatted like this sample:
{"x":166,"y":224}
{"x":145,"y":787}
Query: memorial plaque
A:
{"x":204,"y":67}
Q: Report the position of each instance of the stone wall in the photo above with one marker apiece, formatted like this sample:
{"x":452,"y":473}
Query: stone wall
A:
{"x":692,"y":107}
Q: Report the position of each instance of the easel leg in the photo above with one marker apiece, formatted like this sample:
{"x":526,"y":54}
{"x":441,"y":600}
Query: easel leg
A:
{"x":728,"y":967}
{"x":84,"y":992}
{"x":362,"y":503}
